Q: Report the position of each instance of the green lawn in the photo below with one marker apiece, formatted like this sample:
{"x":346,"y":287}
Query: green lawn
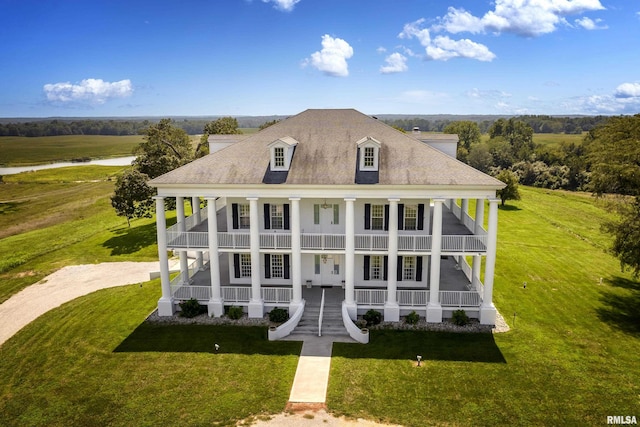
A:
{"x":24,"y":151}
{"x":571,"y":359}
{"x":58,"y":217}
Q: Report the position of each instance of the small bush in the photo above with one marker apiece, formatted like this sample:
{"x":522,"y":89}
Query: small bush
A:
{"x":361,"y":323}
{"x":190,"y":308}
{"x":412,"y":318}
{"x":460,"y":318}
{"x":235,"y":313}
{"x":372,"y":317}
{"x":278,"y":315}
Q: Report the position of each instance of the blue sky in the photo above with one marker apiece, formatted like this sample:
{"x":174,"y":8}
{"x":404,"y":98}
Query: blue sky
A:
{"x":263,"y":57}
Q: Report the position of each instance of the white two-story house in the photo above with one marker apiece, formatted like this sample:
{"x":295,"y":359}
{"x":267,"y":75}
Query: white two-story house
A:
{"x":331,"y":198}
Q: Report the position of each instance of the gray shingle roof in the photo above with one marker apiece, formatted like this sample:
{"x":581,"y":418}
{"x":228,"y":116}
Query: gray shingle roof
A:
{"x":326,"y":155}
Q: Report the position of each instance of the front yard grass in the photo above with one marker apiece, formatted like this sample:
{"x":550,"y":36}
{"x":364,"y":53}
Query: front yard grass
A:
{"x":91,"y":362}
{"x":571,"y":358}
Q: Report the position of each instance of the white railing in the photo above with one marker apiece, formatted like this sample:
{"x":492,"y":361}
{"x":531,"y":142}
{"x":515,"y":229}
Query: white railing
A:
{"x":363,"y":242}
{"x":322,"y":241}
{"x":234,"y":240}
{"x":459,"y":299}
{"x":412,"y":298}
{"x":287,"y":327}
{"x":187,"y":239}
{"x":415,"y":298}
{"x":361,"y":336}
{"x":468,"y":222}
{"x":190,"y":221}
{"x":181,"y":290}
{"x":236,"y":293}
{"x":371,"y":242}
{"x":276,"y":295}
{"x":371,"y":296}
{"x":454,"y":208}
{"x":321,"y":315}
{"x":275,"y":241}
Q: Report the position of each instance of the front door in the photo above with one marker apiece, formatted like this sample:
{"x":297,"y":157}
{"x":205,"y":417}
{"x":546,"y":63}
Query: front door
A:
{"x":330,"y":271}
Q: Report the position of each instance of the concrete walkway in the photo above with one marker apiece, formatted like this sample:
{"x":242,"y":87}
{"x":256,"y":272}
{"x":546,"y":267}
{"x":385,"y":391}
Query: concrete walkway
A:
{"x":312,"y":375}
{"x":65,"y":285}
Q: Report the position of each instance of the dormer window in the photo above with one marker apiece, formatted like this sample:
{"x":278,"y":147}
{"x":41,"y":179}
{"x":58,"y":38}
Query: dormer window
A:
{"x":369,"y":149}
{"x":282,"y":153}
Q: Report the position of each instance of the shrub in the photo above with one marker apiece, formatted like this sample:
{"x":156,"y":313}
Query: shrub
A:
{"x":190,"y":308}
{"x":460,"y":318}
{"x":372,"y":317}
{"x":361,"y":323}
{"x":412,"y":318}
{"x":235,"y":313}
{"x":278,"y":315}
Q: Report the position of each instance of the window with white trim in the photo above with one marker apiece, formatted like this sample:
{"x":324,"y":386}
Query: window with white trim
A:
{"x":277,"y":217}
{"x":278,"y":157}
{"x":375,"y":267}
{"x":409,"y":268}
{"x":245,"y":265}
{"x":410,"y":217}
{"x":277,"y":266}
{"x":369,"y":157}
{"x":377,"y":217}
{"x":244,"y":217}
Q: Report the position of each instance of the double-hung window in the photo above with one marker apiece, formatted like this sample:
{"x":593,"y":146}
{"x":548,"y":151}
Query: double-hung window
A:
{"x":244,"y":218}
{"x":369,"y":157}
{"x":278,"y":157}
{"x":245,"y":265}
{"x":277,"y":217}
{"x":377,"y":217}
{"x":375,"y":268}
{"x":277,"y":266}
{"x":410,"y":217}
{"x":409,"y":268}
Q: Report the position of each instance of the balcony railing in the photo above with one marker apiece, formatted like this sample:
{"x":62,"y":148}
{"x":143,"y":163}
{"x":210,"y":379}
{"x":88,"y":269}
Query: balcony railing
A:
{"x":416,"y":298}
{"x":230,"y":294}
{"x":363,"y":242}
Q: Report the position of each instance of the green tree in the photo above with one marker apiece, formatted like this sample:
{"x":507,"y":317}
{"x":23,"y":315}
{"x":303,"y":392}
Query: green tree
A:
{"x":626,"y":236}
{"x":222,"y":126}
{"x":468,"y":133}
{"x":267,"y":124}
{"x":517,"y":133}
{"x":480,"y":157}
{"x":510,"y":192}
{"x":132,"y":196}
{"x":165,"y":148}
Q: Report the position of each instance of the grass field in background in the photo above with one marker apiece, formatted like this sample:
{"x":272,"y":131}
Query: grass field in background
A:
{"x":24,"y":151}
{"x":58,"y":217}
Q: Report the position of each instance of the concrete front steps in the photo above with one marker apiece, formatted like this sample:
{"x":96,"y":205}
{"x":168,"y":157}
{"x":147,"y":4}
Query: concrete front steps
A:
{"x":331,"y":321}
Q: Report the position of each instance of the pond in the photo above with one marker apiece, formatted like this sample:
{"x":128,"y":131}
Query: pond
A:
{"x":116,"y":161}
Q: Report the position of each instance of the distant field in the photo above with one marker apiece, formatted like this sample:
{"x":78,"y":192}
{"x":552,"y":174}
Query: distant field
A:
{"x":548,"y":138}
{"x":23,"y":151}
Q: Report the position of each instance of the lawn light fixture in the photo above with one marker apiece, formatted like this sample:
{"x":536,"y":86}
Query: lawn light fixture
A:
{"x":217,"y":347}
{"x":419,"y":359}
{"x":524,"y":285}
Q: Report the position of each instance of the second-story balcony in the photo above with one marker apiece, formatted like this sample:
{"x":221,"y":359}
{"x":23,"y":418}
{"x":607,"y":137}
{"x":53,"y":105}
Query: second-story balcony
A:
{"x":456,"y":239}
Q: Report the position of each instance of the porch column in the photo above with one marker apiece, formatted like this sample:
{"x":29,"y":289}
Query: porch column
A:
{"x":350,"y":258}
{"x":434,"y":309}
{"x":255,"y":304}
{"x":184,"y":260}
{"x":487,"y":309}
{"x":195,"y":206}
{"x":165,"y":303}
{"x":215,"y":307}
{"x":296,"y":256}
{"x":464,"y":209}
{"x":391,"y":307}
{"x":477,"y":230}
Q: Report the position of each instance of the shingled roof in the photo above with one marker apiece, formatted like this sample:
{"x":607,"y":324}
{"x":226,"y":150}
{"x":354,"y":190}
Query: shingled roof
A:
{"x":326,"y":154}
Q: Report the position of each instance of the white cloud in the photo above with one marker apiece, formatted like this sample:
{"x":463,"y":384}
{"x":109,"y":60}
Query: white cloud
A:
{"x":590,"y":24}
{"x":487,"y":94}
{"x":628,"y":90}
{"x":284,"y":5}
{"x":396,"y":63}
{"x":413,"y":29}
{"x":92,"y":91}
{"x":443,"y":48}
{"x":381,"y":49}
{"x":332,"y":59}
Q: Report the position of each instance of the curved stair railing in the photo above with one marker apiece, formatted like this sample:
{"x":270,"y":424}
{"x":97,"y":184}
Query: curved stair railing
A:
{"x":321,"y":315}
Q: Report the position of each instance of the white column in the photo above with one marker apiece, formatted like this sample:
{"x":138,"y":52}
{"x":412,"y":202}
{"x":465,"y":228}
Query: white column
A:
{"x":296,"y":256}
{"x":477,"y":230}
{"x":464,"y":209}
{"x":195,"y":205}
{"x":434,"y":309}
{"x":487,"y":309}
{"x":255,"y":304}
{"x":215,"y":306}
{"x":350,"y":258}
{"x":165,"y":303}
{"x":184,"y":260}
{"x":391,"y":307}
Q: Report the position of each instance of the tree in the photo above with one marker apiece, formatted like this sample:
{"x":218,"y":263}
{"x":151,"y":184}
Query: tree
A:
{"x":267,"y":124}
{"x":480,"y":157}
{"x":626,"y":236}
{"x":468,"y":133}
{"x":132,"y":196}
{"x":165,"y":148}
{"x":517,"y":133}
{"x":222,"y":126}
{"x":510,"y":192}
